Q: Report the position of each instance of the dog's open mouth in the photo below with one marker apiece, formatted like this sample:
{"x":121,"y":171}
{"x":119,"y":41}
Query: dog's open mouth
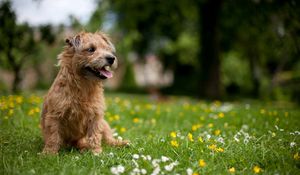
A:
{"x":103,"y":72}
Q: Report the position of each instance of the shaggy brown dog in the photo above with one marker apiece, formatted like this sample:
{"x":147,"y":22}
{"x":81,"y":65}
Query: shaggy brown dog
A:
{"x":73,"y":110}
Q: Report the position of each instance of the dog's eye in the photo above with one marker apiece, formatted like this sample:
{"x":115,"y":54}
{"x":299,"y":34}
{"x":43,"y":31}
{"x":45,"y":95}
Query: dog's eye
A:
{"x":91,"y":49}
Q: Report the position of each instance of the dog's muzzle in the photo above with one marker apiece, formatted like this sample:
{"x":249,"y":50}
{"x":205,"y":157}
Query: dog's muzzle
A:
{"x":104,"y":71}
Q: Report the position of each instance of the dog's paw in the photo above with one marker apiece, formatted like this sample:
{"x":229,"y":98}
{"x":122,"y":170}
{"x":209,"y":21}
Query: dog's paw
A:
{"x":126,"y":143}
{"x":47,"y":151}
{"x":97,"y":151}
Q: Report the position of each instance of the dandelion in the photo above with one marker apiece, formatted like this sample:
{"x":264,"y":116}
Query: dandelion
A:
{"x":196,"y":127}
{"x":173,"y":134}
{"x":220,"y":150}
{"x":10,"y":112}
{"x":221,"y":115}
{"x":200,"y":139}
{"x":257,"y":169}
{"x":174,"y":143}
{"x":36,"y":109}
{"x":212,"y":147}
{"x":31,"y":112}
{"x":122,"y":130}
{"x":231,"y":170}
{"x":136,"y":120}
{"x":297,"y":156}
{"x":19,"y":99}
{"x":116,"y":117}
{"x":217,"y":132}
{"x":210,"y":125}
{"x":190,"y":137}
{"x":202,"y":163}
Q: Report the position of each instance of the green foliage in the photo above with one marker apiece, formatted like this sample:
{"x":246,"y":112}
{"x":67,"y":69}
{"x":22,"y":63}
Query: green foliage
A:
{"x":236,"y":71}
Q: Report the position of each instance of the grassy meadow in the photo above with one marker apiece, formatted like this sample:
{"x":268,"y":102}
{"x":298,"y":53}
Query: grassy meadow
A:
{"x":177,"y":136}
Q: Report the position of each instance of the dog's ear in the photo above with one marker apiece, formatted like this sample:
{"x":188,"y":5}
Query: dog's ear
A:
{"x":73,"y":41}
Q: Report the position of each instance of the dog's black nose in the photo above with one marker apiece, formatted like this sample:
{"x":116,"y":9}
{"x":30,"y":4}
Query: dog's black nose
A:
{"x":110,"y":59}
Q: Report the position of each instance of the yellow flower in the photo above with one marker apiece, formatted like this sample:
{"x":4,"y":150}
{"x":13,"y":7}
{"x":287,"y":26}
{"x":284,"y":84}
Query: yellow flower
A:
{"x":31,"y":112}
{"x":123,"y":130}
{"x":200,"y":139}
{"x":231,"y":170}
{"x":212,"y":147}
{"x":257,"y":169}
{"x":262,"y":111}
{"x":19,"y":99}
{"x":136,"y":120}
{"x":217,"y":103}
{"x":173,"y":134}
{"x":202,"y":163}
{"x":217,"y":132}
{"x":297,"y":156}
{"x":10,"y":112}
{"x":190,"y":137}
{"x":11,"y":105}
{"x":174,"y":143}
{"x":286,"y":114}
{"x":220,"y":149}
{"x":116,"y":117}
{"x":221,"y":115}
{"x":195,"y":174}
{"x":210,"y":125}
{"x":153,"y":121}
{"x":195,"y":127}
{"x":36,"y":109}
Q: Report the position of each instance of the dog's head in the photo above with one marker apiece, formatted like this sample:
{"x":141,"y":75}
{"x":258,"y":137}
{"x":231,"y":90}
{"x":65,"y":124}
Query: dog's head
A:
{"x":93,"y":55}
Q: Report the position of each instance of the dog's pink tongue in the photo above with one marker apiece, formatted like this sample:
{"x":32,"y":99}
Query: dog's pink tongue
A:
{"x":106,"y":73}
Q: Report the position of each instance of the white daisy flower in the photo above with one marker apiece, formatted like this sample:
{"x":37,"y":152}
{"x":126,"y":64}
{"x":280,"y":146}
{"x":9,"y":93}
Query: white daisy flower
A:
{"x":164,"y":159}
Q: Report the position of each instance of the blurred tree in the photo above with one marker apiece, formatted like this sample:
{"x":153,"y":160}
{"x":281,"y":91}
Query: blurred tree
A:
{"x":47,"y":33}
{"x":96,"y":21}
{"x":191,"y":36}
{"x":209,"y":25}
{"x":266,"y":33}
{"x":17,"y":43}
{"x":166,"y":28}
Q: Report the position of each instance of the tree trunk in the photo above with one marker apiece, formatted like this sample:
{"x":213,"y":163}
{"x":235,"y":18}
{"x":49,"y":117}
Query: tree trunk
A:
{"x":255,"y":75}
{"x":210,"y":81}
{"x":16,"y":87}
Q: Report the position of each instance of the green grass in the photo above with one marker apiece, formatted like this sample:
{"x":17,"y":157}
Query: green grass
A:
{"x":242,"y":135}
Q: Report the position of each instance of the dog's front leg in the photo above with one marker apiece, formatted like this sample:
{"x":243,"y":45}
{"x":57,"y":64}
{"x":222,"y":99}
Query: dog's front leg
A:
{"x":52,"y":137}
{"x":94,"y":137}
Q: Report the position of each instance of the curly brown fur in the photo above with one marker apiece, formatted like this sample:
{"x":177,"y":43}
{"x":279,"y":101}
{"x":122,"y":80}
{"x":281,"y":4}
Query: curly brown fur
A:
{"x":73,"y":109}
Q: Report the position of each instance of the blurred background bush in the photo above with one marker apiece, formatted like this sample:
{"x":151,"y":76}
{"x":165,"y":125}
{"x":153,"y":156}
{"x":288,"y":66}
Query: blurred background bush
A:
{"x":218,"y":49}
